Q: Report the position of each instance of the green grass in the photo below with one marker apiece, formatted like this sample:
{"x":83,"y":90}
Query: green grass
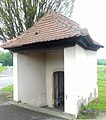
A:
{"x":100,"y":103}
{"x":7,"y":89}
{"x":2,"y":68}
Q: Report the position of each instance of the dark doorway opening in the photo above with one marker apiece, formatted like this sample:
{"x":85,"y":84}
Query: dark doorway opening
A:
{"x":59,"y":90}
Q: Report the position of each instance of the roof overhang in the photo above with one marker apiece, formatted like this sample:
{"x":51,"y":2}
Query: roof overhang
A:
{"x":84,"y":41}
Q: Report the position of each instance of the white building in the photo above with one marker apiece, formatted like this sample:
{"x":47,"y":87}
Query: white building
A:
{"x":55,"y":64}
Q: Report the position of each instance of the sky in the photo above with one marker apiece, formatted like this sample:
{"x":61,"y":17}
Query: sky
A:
{"x":91,"y":14}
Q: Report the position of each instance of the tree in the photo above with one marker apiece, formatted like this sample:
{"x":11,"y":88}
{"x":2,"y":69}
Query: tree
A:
{"x":101,"y":61}
{"x":16,"y":16}
{"x":6,"y":58}
{"x":1,"y":57}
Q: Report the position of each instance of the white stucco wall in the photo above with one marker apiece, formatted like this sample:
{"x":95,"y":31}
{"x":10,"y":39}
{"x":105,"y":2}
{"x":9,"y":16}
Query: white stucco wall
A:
{"x":54,"y":62}
{"x":30,"y":78}
{"x":80,"y":77}
{"x":15,"y":76}
{"x":33,"y":74}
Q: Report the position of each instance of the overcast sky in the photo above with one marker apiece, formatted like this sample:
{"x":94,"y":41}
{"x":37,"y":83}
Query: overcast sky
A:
{"x":92,"y":15}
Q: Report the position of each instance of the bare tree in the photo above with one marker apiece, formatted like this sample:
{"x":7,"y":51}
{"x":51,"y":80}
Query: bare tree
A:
{"x":16,"y":16}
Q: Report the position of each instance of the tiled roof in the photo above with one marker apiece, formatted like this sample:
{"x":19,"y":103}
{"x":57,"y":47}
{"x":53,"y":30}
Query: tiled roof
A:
{"x":52,"y":26}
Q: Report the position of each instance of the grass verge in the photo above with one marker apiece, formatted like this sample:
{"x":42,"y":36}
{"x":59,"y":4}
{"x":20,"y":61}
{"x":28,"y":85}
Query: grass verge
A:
{"x":2,"y":68}
{"x":9,"y":88}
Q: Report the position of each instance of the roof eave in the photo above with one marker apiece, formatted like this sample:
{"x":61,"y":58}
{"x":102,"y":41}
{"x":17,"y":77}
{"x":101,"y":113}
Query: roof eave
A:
{"x":43,"y":46}
{"x":87,"y":43}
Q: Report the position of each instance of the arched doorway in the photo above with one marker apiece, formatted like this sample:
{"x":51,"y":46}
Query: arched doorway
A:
{"x":59,"y":90}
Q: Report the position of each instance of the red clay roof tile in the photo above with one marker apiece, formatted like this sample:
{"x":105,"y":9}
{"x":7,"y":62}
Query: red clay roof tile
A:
{"x":52,"y":26}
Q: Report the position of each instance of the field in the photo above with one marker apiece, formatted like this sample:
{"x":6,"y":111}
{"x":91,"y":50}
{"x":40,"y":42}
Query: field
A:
{"x":100,"y":103}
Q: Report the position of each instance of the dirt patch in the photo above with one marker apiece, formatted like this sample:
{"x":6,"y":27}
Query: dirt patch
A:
{"x":88,"y":114}
{"x":92,"y":114}
{"x":102,"y":115}
{"x":5,"y":97}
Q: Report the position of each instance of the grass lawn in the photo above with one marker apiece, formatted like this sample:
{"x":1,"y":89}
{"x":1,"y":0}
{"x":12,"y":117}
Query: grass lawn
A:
{"x":7,"y":89}
{"x":100,"y":103}
{"x":2,"y":68}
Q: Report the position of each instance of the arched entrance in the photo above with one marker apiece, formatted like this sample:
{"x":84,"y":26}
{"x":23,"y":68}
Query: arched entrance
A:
{"x":59,"y":90}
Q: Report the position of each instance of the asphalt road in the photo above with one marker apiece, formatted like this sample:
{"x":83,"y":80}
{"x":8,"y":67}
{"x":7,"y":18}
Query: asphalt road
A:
{"x":6,"y":77}
{"x":5,"y":81}
{"x":11,"y":112}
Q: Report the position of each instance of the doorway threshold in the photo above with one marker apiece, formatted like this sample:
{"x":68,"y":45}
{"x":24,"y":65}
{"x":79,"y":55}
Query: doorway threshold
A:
{"x":53,"y":109}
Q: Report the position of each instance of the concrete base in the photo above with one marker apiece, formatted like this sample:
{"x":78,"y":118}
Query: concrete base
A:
{"x":46,"y":111}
